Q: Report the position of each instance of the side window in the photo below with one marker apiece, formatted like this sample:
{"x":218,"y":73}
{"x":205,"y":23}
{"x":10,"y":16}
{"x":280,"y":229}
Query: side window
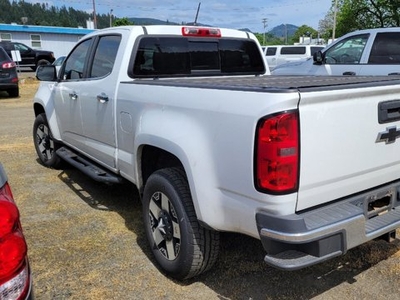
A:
{"x":293,"y":50}
{"x":105,"y":55}
{"x":386,"y":49}
{"x":21,"y":47}
{"x":348,"y":51}
{"x":270,"y":51}
{"x":74,"y":64}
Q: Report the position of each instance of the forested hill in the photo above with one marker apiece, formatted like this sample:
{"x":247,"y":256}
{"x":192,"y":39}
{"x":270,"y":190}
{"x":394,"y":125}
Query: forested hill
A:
{"x":46,"y":15}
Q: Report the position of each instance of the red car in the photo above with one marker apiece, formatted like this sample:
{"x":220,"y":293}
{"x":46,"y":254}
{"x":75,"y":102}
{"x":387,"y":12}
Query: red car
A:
{"x":15,"y":274}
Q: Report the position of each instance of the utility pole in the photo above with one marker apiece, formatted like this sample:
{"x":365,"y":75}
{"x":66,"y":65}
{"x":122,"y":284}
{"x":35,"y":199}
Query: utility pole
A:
{"x":264,"y":21}
{"x":94,"y":15}
{"x":111,"y":17}
{"x":334,"y":21}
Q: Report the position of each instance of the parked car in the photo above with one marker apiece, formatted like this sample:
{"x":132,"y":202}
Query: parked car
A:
{"x":363,"y":52}
{"x":8,"y":75}
{"x":281,"y":54}
{"x":29,"y":57}
{"x":15,"y":273}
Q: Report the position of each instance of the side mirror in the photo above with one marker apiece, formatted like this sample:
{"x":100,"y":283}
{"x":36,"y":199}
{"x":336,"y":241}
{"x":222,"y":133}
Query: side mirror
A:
{"x":46,"y":73}
{"x":318,"y":57}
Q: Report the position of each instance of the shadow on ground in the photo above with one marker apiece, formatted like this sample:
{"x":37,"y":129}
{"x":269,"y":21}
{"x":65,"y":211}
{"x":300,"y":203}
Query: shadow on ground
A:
{"x":240,"y":272}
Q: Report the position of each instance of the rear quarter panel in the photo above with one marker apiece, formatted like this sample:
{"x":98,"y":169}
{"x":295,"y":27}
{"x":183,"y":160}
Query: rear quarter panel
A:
{"x":212,"y":132}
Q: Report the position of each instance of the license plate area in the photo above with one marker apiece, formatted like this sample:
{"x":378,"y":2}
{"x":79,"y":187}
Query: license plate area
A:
{"x":379,"y":203}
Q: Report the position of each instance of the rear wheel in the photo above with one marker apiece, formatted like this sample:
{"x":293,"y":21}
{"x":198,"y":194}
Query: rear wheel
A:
{"x":14,"y":92}
{"x":45,"y":145}
{"x":181,"y":246}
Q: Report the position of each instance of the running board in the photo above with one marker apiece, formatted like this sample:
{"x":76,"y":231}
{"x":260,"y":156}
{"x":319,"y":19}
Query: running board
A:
{"x":87,"y":167}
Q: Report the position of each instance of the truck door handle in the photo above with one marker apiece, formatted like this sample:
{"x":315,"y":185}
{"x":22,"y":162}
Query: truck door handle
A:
{"x":388,"y":111}
{"x":351,"y":73}
{"x":102,"y":98}
{"x":73,"y":95}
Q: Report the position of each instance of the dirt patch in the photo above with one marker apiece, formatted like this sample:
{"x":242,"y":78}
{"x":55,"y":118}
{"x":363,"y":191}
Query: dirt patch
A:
{"x":86,"y":240}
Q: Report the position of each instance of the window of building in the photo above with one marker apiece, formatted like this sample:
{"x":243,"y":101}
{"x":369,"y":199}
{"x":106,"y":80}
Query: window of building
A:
{"x":5,"y":37}
{"x":35,"y":41}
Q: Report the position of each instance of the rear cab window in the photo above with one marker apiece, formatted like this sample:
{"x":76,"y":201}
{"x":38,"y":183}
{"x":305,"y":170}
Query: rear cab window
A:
{"x":270,"y":51}
{"x":158,"y":56}
{"x":293,"y":50}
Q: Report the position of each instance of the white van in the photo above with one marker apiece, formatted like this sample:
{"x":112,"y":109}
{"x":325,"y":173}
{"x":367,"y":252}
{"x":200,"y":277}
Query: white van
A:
{"x":280,"y":54}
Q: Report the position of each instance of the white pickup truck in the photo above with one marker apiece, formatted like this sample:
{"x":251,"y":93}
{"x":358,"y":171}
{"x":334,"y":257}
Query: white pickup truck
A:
{"x":308,"y":165}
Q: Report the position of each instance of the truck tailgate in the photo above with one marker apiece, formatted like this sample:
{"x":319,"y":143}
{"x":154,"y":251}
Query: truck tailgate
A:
{"x":348,"y":142}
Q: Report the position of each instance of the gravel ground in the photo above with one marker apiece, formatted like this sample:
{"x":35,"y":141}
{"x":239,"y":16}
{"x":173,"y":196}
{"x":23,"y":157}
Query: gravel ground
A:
{"x":86,"y":240}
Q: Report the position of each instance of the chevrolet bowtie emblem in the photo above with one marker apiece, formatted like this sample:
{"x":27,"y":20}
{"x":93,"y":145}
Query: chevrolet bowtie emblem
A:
{"x":389,"y":136}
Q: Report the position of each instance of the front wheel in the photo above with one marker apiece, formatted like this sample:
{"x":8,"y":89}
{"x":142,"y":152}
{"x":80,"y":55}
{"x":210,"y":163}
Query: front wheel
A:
{"x":45,"y":145}
{"x":181,"y":246}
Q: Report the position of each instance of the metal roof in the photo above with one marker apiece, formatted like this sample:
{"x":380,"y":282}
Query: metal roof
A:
{"x":44,"y":29}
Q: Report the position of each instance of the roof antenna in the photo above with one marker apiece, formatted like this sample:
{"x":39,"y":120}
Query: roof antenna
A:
{"x":197,"y":14}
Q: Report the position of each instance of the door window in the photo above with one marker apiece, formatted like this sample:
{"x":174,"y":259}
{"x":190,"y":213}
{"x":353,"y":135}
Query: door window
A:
{"x":105,"y":55}
{"x":74,"y":64}
{"x":348,"y":51}
{"x":21,"y":48}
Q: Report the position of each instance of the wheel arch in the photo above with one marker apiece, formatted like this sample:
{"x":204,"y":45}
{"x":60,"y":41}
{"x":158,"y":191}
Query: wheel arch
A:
{"x":48,"y":109}
{"x":152,"y":158}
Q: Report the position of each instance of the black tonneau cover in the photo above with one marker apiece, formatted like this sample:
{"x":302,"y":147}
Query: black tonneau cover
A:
{"x":271,"y":83}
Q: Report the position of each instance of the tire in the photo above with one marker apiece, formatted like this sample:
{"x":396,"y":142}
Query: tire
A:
{"x":14,"y":93}
{"x":40,"y":63}
{"x":181,"y":246}
{"x":45,"y":145}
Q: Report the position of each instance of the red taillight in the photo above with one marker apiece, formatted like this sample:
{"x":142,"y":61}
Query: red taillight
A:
{"x":13,"y":252}
{"x":9,"y":217}
{"x":277,"y":153}
{"x":201,"y":32}
{"x":8,"y":65}
{"x":13,"y":248}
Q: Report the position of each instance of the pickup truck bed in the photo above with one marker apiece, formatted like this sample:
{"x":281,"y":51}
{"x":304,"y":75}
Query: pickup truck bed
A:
{"x":275,"y":83}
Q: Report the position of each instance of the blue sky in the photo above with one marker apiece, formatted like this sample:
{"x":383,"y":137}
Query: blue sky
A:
{"x":221,"y":13}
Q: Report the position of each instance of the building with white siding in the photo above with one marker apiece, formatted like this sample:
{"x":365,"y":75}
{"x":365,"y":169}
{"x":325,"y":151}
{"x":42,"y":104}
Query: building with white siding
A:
{"x":60,"y":40}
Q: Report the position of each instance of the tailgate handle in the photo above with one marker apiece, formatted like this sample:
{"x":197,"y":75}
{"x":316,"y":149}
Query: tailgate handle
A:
{"x":388,"y":111}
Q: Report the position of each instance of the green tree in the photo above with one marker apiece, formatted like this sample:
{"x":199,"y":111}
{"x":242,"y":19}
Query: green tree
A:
{"x":302,"y":32}
{"x":122,"y":22}
{"x":363,"y":14}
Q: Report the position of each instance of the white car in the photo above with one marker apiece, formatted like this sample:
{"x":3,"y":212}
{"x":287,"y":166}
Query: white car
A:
{"x":363,"y":52}
{"x":281,"y":54}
